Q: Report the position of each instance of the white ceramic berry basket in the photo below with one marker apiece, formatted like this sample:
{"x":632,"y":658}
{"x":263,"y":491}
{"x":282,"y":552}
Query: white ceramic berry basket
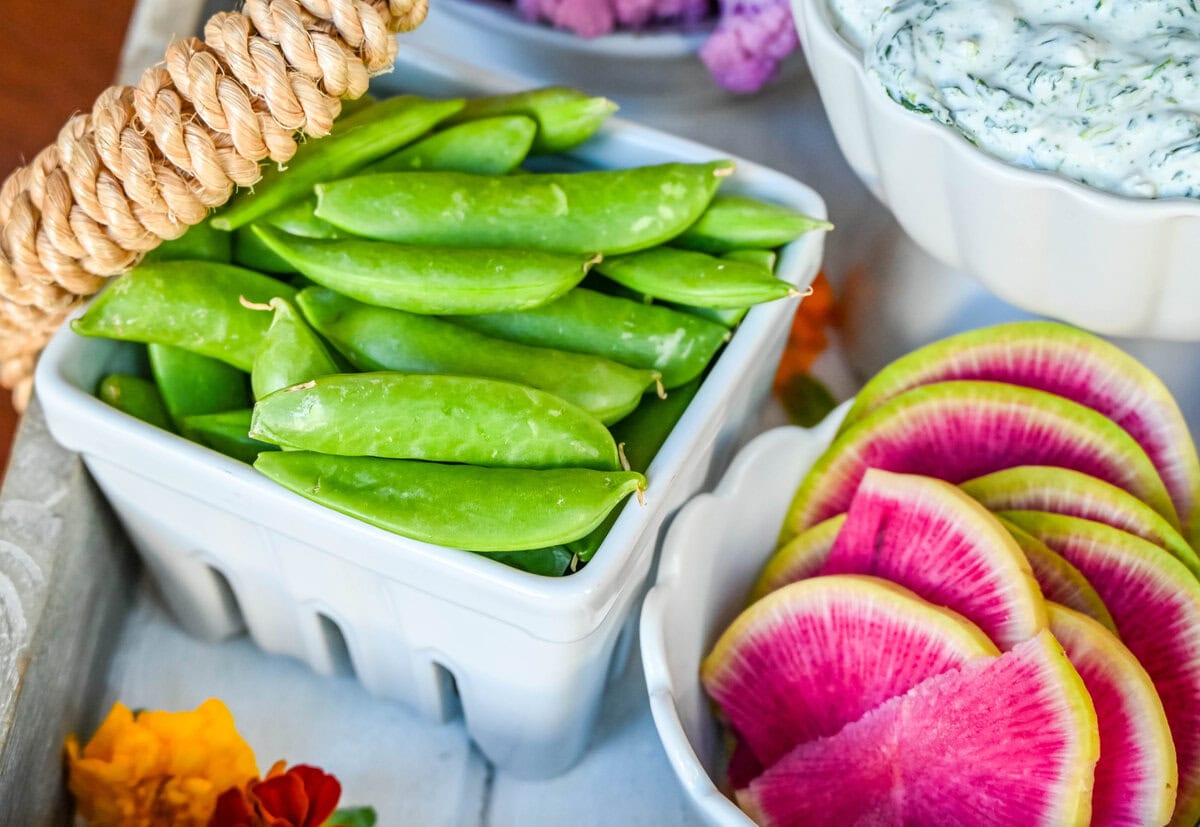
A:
{"x":525,"y":657}
{"x":712,"y":555}
{"x":1116,"y":265}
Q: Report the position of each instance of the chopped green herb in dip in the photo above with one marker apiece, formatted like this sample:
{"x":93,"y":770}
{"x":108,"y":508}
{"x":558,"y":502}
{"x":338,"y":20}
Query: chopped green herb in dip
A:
{"x":1105,"y":92}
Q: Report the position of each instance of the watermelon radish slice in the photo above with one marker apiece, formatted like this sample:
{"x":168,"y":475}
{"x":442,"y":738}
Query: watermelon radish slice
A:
{"x":1059,"y":580}
{"x":811,"y":657}
{"x":930,"y":537}
{"x":802,"y":557}
{"x":1008,"y":741}
{"x":957,"y":431}
{"x":1136,"y":775}
{"x":1062,"y":491}
{"x":1156,"y":605}
{"x":1069,"y":362}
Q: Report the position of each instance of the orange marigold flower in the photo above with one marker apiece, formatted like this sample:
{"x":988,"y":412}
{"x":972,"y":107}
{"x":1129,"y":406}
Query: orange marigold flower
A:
{"x":157,"y":768}
{"x":300,"y":797}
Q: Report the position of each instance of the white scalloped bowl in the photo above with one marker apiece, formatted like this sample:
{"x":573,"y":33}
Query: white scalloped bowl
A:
{"x":1116,"y":265}
{"x":711,"y":556}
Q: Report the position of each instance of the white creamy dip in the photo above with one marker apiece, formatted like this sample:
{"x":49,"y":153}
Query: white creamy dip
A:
{"x":1104,"y":91}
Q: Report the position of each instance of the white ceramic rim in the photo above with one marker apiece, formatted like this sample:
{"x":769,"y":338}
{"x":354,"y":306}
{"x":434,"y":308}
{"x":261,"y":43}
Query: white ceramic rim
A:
{"x":701,"y":788}
{"x":952,"y":141}
{"x":658,"y":43}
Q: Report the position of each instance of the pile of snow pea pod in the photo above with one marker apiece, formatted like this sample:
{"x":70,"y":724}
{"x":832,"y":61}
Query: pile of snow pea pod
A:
{"x":446,"y":340}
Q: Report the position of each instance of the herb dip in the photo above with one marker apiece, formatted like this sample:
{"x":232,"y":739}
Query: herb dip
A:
{"x":1104,"y":92}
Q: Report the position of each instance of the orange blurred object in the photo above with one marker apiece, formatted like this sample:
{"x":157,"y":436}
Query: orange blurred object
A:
{"x":807,"y":339}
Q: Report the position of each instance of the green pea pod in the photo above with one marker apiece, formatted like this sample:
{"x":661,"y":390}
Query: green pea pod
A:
{"x":249,"y":251}
{"x":189,"y":304}
{"x":357,"y":141}
{"x":734,"y":222}
{"x":492,"y":146}
{"x":227,"y":432}
{"x":565,"y":117}
{"x":732,"y":316}
{"x":377,"y":338}
{"x":352,"y":106}
{"x":296,"y":218}
{"x":547,"y":562}
{"x":299,"y":218}
{"x":137,"y":397}
{"x":641,"y":435}
{"x":432,"y":417}
{"x":462,"y":506}
{"x":199,"y":243}
{"x":434,"y":280}
{"x":291,"y":352}
{"x":611,"y":211}
{"x":194,"y":384}
{"x":629,"y":332}
{"x":688,"y":277}
{"x":762,"y":258}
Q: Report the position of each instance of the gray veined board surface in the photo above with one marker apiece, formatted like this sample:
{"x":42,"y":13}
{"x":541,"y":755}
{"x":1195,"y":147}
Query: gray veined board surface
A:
{"x":84,"y":635}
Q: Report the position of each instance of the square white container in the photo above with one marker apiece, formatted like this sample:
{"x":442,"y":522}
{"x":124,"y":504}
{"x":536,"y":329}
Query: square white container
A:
{"x":525,"y":657}
{"x":712,"y":555}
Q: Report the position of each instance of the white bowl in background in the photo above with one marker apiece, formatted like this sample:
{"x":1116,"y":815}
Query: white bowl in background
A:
{"x":524,"y":657}
{"x":1113,"y":264}
{"x":713,"y":552}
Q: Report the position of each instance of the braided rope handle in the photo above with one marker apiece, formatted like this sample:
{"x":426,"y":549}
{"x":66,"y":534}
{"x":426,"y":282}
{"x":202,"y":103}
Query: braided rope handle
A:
{"x":151,"y":160}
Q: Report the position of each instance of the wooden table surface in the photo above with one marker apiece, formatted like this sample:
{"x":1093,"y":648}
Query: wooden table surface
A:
{"x":51,"y":65}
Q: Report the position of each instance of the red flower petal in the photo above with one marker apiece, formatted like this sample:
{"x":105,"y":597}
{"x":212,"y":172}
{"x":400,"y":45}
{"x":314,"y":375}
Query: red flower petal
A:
{"x":282,"y":799}
{"x":233,"y":810}
{"x":323,"y":790}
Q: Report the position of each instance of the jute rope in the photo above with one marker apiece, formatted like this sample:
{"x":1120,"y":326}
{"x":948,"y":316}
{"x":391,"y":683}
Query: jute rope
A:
{"x":150,"y":160}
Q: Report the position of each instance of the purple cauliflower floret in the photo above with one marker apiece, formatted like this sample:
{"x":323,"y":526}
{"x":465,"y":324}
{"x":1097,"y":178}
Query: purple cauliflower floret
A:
{"x":593,"y":18}
{"x":752,"y":38}
{"x":586,"y":18}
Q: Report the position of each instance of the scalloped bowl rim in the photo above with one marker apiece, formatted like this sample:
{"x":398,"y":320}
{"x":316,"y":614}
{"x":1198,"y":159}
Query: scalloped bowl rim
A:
{"x":953,"y":141}
{"x":653,"y":44}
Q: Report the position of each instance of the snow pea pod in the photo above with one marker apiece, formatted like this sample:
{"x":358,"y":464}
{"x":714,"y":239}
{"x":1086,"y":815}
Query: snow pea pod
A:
{"x":641,"y":435}
{"x":608,"y":211}
{"x":735,"y":222}
{"x":299,"y":218}
{"x":731,"y":316}
{"x":361,"y":138}
{"x":296,"y":218}
{"x":249,"y":251}
{"x":632,"y":333}
{"x":548,"y":562}
{"x":291,"y":352}
{"x":424,"y":279}
{"x":462,"y":506}
{"x":432,"y":417}
{"x":194,"y":384}
{"x":137,"y":397}
{"x":352,"y":106}
{"x":199,"y":243}
{"x":227,"y":432}
{"x":565,"y":117}
{"x":189,"y":304}
{"x":692,"y":278}
{"x":492,"y":146}
{"x":378,"y":338}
